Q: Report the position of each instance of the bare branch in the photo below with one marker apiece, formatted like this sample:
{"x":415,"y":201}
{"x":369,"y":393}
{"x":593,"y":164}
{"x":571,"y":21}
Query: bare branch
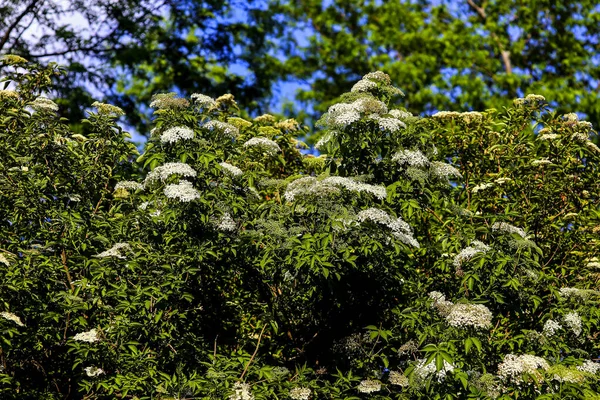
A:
{"x":30,"y":8}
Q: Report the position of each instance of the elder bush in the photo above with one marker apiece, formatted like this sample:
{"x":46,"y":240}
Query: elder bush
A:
{"x":445,"y":257}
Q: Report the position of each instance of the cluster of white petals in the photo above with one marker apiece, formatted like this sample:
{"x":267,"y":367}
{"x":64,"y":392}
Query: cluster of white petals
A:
{"x":398,"y":378}
{"x":300,"y":393}
{"x":90,"y":336}
{"x":369,"y":386}
{"x":93,"y":371}
{"x":569,"y":292}
{"x":177,"y":133}
{"x":590,"y":367}
{"x":573,"y":321}
{"x":364,"y":85}
{"x":390,"y":124}
{"x":551,"y":327}
{"x":129,"y":185}
{"x":183,"y":191}
{"x":508,"y":228}
{"x":423,"y":371}
{"x":310,"y":186}
{"x":4,"y":260}
{"x":400,"y":229}
{"x":223,"y":127}
{"x":43,"y":103}
{"x":119,"y":250}
{"x":266,"y":145}
{"x":162,"y":172}
{"x":469,"y":252}
{"x":325,"y":139}
{"x":512,"y":367}
{"x":231,"y":169}
{"x":351,"y":185}
{"x":444,"y":170}
{"x":203,"y":100}
{"x":475,"y":315}
{"x":482,"y":186}
{"x":541,"y":161}
{"x":11,"y":317}
{"x":341,"y":115}
{"x":241,"y":391}
{"x":226,"y":223}
{"x":414,"y":158}
{"x":401,"y":114}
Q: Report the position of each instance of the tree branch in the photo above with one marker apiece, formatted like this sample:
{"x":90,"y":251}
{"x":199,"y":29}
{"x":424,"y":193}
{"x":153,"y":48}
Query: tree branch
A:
{"x":16,"y":22}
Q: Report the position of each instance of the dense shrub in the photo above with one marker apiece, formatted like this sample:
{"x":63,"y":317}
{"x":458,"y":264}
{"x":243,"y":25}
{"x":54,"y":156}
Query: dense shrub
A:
{"x":445,"y":257}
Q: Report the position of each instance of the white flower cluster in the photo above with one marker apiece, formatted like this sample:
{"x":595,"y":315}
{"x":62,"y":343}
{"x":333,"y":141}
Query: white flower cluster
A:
{"x":241,"y":391}
{"x":231,"y":169}
{"x":444,"y":170}
{"x":311,"y":186}
{"x":593,"y":263}
{"x":129,"y":185}
{"x":400,"y":229}
{"x":482,"y":186}
{"x":364,"y":85}
{"x":342,"y":115}
{"x":177,"y":133}
{"x":390,"y":124}
{"x":266,"y":145}
{"x":573,"y":321}
{"x":423,"y":371}
{"x":551,"y":327}
{"x":223,"y":127}
{"x":590,"y":367}
{"x":506,"y":227}
{"x":467,"y":253}
{"x":4,"y":260}
{"x":512,"y":367}
{"x":400,"y":114}
{"x":582,"y":294}
{"x":203,"y":100}
{"x":414,"y":158}
{"x":369,"y":386}
{"x":300,"y":393}
{"x":565,"y":374}
{"x":119,"y":250}
{"x":162,"y":172}
{"x":476,"y":315}
{"x":93,"y":371}
{"x":11,"y":317}
{"x":541,"y":161}
{"x":226,"y":223}
{"x":325,"y":139}
{"x":90,"y":336}
{"x":43,"y":103}
{"x":108,"y":109}
{"x":183,"y":191}
{"x":397,"y":378}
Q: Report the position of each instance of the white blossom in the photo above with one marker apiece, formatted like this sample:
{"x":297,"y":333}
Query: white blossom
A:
{"x":590,"y":367}
{"x":476,"y":315}
{"x":162,"y":172}
{"x":183,"y":191}
{"x":397,"y":378}
{"x":351,"y":185}
{"x":364,"y":85}
{"x":341,"y":115}
{"x":329,"y":186}
{"x":378,"y":76}
{"x":512,"y":367}
{"x":129,"y":185}
{"x":11,"y":317}
{"x":241,"y":391}
{"x":390,"y":124}
{"x":400,"y":229}
{"x":93,"y":371}
{"x":541,"y":161}
{"x":325,"y":139}
{"x":573,"y":321}
{"x":369,"y":386}
{"x":226,"y":223}
{"x":300,"y":393}
{"x":506,"y":227}
{"x":4,"y":260}
{"x":231,"y":169}
{"x":423,"y":371}
{"x":482,"y":186}
{"x":551,"y":327}
{"x":413,"y":158}
{"x":119,"y":250}
{"x":469,"y":252}
{"x":177,"y":133}
{"x":445,"y":114}
{"x":203,"y":100}
{"x":223,"y":127}
{"x":266,"y":145}
{"x":548,"y":136}
{"x":582,"y":294}
{"x":400,"y":114}
{"x":444,"y":170}
{"x":43,"y":103}
{"x":90,"y":336}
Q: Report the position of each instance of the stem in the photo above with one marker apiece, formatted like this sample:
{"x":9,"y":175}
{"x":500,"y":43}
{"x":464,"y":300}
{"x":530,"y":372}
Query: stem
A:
{"x":253,"y":354}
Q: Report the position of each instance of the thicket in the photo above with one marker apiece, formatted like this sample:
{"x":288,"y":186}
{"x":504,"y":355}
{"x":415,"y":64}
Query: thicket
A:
{"x":453,"y":256}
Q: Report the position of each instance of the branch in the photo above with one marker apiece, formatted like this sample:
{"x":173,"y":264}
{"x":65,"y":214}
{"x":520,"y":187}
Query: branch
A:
{"x":16,"y":22}
{"x":253,"y":354}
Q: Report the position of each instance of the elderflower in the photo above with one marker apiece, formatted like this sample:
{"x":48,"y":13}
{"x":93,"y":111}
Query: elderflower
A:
{"x":551,"y":327}
{"x":411,"y":157}
{"x":118,"y":251}
{"x":129,"y":185}
{"x":226,"y":129}
{"x":203,"y":100}
{"x":482,"y":186}
{"x":177,"y":133}
{"x":364,"y":85}
{"x":168,"y":101}
{"x":548,"y":136}
{"x":471,"y":116}
{"x":183,"y":191}
{"x":300,"y":393}
{"x":288,"y":125}
{"x":4,"y":260}
{"x":11,"y":317}
{"x":400,"y":114}
{"x":267,"y":118}
{"x":90,"y":336}
{"x":423,"y":371}
{"x":446,"y":114}
{"x":43,"y":103}
{"x":231,"y":169}
{"x":369,"y":386}
{"x":93,"y":371}
{"x":443,"y":170}
{"x":467,"y":253}
{"x":397,"y":378}
{"x":9,"y":94}
{"x":227,"y":223}
{"x":163,"y":172}
{"x":573,"y":321}
{"x":378,"y":76}
{"x":241,"y":391}
{"x":512,"y":367}
{"x":400,"y":229}
{"x":108,"y":109}
{"x":541,"y":161}
{"x":476,"y":315}
{"x":325,"y":139}
{"x":590,"y":367}
{"x":506,"y":227}
{"x":390,"y":124}
{"x":266,"y":145}
{"x":379,"y":192}
{"x":582,"y":294}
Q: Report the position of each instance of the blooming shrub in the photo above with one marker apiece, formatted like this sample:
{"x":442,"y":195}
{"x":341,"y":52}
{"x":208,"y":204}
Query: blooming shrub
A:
{"x":417,"y":258}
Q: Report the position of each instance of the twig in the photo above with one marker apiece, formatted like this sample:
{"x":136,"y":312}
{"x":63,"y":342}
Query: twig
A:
{"x":253,"y":354}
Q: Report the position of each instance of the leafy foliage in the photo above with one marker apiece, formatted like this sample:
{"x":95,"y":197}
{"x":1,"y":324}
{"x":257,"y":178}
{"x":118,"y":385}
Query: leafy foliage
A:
{"x":445,"y":257}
